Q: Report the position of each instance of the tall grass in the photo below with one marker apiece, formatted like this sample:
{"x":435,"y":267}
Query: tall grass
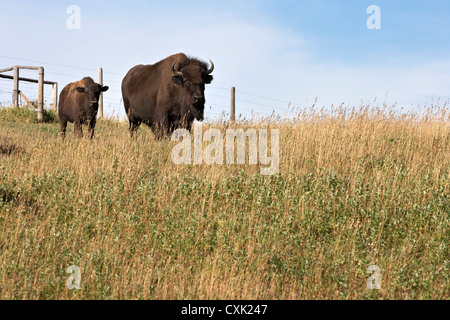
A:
{"x":356,"y":187}
{"x":24,"y":114}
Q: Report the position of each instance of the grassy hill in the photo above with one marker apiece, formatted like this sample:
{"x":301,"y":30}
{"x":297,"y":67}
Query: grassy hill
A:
{"x":355,"y":187}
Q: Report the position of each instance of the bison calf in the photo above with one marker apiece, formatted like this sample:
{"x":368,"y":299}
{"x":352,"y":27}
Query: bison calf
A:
{"x":78,"y":103}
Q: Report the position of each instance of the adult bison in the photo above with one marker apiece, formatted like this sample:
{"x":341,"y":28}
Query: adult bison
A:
{"x":78,"y":103}
{"x":166,"y":95}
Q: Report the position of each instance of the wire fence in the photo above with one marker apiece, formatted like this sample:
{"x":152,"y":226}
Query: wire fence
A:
{"x":217,"y":105}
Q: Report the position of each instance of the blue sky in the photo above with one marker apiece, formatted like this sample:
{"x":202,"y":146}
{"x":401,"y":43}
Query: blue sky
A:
{"x":273,"y":52}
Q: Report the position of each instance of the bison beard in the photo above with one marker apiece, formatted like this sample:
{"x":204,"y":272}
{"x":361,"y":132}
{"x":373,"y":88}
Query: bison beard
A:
{"x":166,"y":95}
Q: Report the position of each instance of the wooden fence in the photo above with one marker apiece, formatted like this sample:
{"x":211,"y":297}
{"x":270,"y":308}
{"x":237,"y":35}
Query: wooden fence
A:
{"x":16,"y":79}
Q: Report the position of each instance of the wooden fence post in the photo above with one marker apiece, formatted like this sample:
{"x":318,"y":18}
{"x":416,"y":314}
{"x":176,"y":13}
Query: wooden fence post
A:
{"x":16,"y":87}
{"x":100,"y":100}
{"x":55,"y":97}
{"x":233,"y":105}
{"x":41,"y":95}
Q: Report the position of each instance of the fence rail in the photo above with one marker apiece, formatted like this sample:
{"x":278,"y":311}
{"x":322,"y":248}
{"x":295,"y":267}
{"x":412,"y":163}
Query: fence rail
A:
{"x":26,"y":79}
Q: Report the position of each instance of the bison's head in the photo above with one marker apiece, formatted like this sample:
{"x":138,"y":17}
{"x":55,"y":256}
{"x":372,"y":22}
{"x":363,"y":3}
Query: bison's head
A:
{"x":192,"y":76}
{"x":92,"y":91}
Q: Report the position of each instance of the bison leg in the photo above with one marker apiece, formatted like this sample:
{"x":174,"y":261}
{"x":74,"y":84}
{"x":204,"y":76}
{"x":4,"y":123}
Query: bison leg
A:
{"x":78,"y":130}
{"x":92,"y":127}
{"x":161,"y":127}
{"x":133,"y":127}
{"x":132,"y":120}
{"x":160,"y":130}
{"x":63,"y":129}
{"x":188,"y":126}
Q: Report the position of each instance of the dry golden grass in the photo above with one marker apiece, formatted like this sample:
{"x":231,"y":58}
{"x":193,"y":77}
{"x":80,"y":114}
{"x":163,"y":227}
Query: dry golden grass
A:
{"x":354,"y":188}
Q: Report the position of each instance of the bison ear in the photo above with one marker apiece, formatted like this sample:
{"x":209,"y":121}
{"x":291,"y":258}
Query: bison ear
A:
{"x":80,"y":89}
{"x":208,"y":79}
{"x":104,"y":88}
{"x":177,"y":80}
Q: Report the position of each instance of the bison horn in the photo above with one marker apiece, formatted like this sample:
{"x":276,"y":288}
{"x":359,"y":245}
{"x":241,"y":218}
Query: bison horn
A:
{"x":177,"y":73}
{"x":212,"y":67}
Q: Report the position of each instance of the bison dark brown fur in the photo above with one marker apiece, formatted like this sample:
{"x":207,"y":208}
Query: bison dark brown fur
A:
{"x":166,"y":95}
{"x":78,"y":103}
